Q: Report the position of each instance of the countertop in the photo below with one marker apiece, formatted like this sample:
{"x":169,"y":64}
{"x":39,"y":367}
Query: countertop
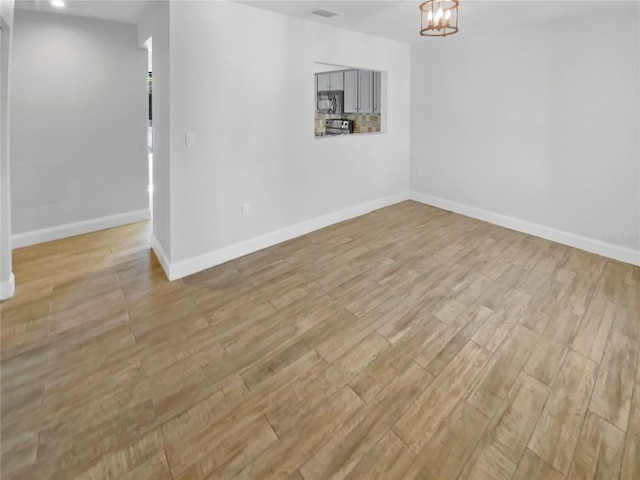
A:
{"x":323,"y":135}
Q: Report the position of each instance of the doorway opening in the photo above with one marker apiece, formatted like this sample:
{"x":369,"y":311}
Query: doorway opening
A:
{"x":150,"y":130}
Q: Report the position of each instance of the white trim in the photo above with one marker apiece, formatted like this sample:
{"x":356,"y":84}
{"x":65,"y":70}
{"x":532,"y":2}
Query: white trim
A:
{"x":161,"y":255}
{"x":609,"y":250}
{"x":78,"y":228}
{"x":216,"y":257}
{"x":8,"y":287}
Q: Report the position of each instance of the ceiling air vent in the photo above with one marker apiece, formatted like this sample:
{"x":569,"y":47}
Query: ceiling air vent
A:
{"x":323,"y":12}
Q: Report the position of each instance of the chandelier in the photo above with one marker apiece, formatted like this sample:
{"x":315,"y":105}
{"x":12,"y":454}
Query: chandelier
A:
{"x":438,"y":18}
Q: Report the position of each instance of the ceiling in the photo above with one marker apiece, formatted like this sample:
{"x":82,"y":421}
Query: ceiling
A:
{"x":394,"y":19}
{"x":400,"y":20}
{"x":127,"y":11}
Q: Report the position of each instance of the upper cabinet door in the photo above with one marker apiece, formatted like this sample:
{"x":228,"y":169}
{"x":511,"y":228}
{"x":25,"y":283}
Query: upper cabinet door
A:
{"x":324,"y":81}
{"x":336,"y":81}
{"x":377,"y":91}
{"x":330,"y":81}
{"x":365,"y":91}
{"x":351,"y":91}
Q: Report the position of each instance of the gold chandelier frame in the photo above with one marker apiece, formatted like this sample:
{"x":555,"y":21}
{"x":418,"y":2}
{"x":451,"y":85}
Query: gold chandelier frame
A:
{"x":438,"y":18}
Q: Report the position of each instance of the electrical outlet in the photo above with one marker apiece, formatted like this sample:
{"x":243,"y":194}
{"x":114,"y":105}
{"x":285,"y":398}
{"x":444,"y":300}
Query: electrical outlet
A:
{"x":191,"y":139}
{"x":420,"y":172}
{"x":245,"y":209}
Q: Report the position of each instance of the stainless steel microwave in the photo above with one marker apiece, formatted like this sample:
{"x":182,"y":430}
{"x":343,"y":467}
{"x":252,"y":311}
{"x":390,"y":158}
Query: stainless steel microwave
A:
{"x":330,"y":102}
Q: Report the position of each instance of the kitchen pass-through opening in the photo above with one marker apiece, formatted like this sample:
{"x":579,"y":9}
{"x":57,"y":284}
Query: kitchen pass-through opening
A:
{"x":348,"y":100}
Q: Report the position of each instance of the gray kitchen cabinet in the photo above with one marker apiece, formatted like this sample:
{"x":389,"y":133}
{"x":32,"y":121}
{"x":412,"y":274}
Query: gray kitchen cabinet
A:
{"x":351,"y":91}
{"x":361,"y":89}
{"x":322,"y":81}
{"x":329,"y":81}
{"x":336,"y":81}
{"x":377,"y":91}
{"x":365,"y":91}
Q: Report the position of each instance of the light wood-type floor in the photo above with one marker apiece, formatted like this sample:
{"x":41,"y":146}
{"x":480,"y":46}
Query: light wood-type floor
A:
{"x":407,"y":343}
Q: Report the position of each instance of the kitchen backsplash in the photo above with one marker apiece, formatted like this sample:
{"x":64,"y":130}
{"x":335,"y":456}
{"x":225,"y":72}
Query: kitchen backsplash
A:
{"x":362,"y":122}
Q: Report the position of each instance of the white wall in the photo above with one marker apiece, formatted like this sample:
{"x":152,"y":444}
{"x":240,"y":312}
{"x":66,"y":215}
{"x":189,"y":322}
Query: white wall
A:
{"x":539,"y":123}
{"x":7,"y":282}
{"x":78,"y":127}
{"x":242,"y":80}
{"x":156,"y":25}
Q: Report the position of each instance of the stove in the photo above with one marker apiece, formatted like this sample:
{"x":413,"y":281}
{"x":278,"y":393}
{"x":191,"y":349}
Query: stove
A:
{"x":338,"y":127}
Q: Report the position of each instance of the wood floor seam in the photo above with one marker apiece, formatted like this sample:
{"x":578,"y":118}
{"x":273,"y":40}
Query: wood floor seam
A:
{"x":166,"y":460}
{"x":535,"y":426}
{"x":274,"y":432}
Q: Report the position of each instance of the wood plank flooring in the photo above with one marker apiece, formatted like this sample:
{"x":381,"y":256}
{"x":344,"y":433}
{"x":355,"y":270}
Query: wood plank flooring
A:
{"x":407,"y":343}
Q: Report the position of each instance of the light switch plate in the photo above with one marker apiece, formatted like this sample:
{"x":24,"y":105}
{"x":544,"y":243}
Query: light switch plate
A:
{"x":191,"y":139}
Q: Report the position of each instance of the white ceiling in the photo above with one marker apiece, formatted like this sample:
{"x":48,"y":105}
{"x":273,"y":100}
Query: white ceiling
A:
{"x":400,"y":19}
{"x":128,"y":11}
{"x":395,"y":19}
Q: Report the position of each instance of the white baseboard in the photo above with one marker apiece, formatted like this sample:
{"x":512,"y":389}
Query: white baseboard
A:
{"x":78,"y":228}
{"x":599,"y":247}
{"x":161,"y":255}
{"x":216,"y":257}
{"x":8,"y":287}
